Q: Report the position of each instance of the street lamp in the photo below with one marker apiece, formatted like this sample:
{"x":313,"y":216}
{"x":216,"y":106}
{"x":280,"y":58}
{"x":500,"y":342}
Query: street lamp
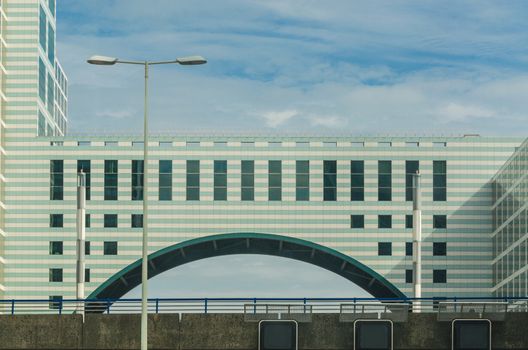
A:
{"x":109,"y":61}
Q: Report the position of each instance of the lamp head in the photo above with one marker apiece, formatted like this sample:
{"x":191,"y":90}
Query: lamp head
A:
{"x":102,"y":60}
{"x":191,"y":60}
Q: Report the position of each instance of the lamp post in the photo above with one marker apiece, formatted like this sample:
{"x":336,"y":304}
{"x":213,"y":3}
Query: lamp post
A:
{"x":109,"y":61}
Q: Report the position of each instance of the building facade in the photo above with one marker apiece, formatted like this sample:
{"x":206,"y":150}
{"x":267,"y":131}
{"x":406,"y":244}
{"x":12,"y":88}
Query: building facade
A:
{"x":351,"y":195}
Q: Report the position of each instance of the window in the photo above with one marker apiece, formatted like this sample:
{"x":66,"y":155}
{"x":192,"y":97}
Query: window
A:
{"x":87,"y":247}
{"x":110,"y":220}
{"x":55,"y":302}
{"x":302,"y":180}
{"x":220,"y":180}
{"x":439,"y":248}
{"x":384,"y":248}
{"x":85,"y":167}
{"x":110,"y":180}
{"x":357,"y":180}
{"x":274,"y":180}
{"x":56,"y":179}
{"x":408,"y":276}
{"x":137,"y":220}
{"x":220,"y":143}
{"x":384,"y":144}
{"x":138,"y":144}
{"x":165,"y":144}
{"x":165,"y":180}
{"x":409,"y":221}
{"x":275,"y":144}
{"x":411,"y":168}
{"x":86,"y":275}
{"x":357,"y":144}
{"x":439,"y":276}
{"x":357,"y":221}
{"x":111,"y":144}
{"x":247,"y":144}
{"x":55,"y":275}
{"x":384,"y":180}
{"x":56,"y":248}
{"x":137,"y":179}
{"x":51,"y":44}
{"x":51,"y":96}
{"x":302,"y":144}
{"x":42,"y":28}
{"x":193,"y":180}
{"x":330,"y":180}
{"x":51,"y":4}
{"x":439,"y":180}
{"x":439,"y":221}
{"x":193,"y":143}
{"x":247,"y":180}
{"x":56,"y":220}
{"x":439,"y":144}
{"x":408,"y":248}
{"x":87,"y":220}
{"x":330,"y":144}
{"x":412,"y":144}
{"x":42,"y":81}
{"x":384,"y":221}
{"x":110,"y":248}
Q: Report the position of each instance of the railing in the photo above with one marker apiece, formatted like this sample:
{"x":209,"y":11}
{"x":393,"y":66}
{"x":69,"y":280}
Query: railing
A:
{"x":257,"y":305}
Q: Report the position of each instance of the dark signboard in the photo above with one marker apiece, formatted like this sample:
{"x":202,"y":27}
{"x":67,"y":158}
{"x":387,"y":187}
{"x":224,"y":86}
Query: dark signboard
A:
{"x":278,"y":335}
{"x":373,"y":335}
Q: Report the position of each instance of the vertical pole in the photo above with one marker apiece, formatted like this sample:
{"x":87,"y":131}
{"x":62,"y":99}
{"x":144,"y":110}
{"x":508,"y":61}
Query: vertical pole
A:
{"x":81,"y":237}
{"x":144,"y":257}
{"x":417,"y":240}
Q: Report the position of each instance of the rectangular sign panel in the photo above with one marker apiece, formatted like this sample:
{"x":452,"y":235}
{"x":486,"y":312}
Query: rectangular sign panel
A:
{"x":278,"y":335}
{"x":471,"y":334}
{"x":373,"y":335}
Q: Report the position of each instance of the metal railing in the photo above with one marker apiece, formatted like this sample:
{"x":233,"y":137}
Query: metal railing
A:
{"x":260,"y":305}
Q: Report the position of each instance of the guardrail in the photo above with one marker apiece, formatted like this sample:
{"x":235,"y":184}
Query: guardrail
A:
{"x":256,"y":305}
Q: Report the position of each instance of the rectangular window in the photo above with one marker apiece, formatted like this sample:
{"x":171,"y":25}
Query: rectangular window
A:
{"x":409,"y":221}
{"x":87,"y":220}
{"x":275,"y":180}
{"x":56,"y":220}
{"x":247,"y":144}
{"x":56,"y":248}
{"x":110,"y":248}
{"x":51,"y":4}
{"x":138,"y":144}
{"x":165,"y":144}
{"x":384,"y":221}
{"x":384,"y":180}
{"x":87,"y":248}
{"x":329,"y":180}
{"x":357,"y":221}
{"x":439,"y":180}
{"x":42,"y":28}
{"x":384,"y":248}
{"x":42,"y":126}
{"x":411,"y":168}
{"x":51,"y":96}
{"x":55,"y":302}
{"x":86,"y":275}
{"x":193,"y":143}
{"x":412,"y":144}
{"x":56,"y":179}
{"x":136,"y":220}
{"x":303,"y":144}
{"x":220,"y":143}
{"x":439,"y":144}
{"x":439,"y":276}
{"x":275,"y":144}
{"x":408,"y":276}
{"x":42,"y":81}
{"x":439,"y":221}
{"x":193,"y":180}
{"x":110,"y":180}
{"x":330,"y":144}
{"x":408,"y":248}
{"x":85,"y":167}
{"x":384,"y":144}
{"x":55,"y":275}
{"x":302,"y":180}
{"x":51,"y":44}
{"x":247,"y":180}
{"x":137,"y":180}
{"x":165,"y":180}
{"x":439,"y":248}
{"x":111,"y":144}
{"x":220,"y":180}
{"x":357,"y":180}
{"x":110,"y":220}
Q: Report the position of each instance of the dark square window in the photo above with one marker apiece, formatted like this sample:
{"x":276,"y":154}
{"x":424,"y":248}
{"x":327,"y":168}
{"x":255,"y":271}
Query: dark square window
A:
{"x":56,"y":248}
{"x":439,"y":221}
{"x":384,"y":221}
{"x":439,"y":248}
{"x":110,"y":220}
{"x":110,"y":248}
{"x":56,"y":220}
{"x":55,"y":275}
{"x":86,"y":275}
{"x":357,"y":221}
{"x":439,"y":276}
{"x":408,"y":221}
{"x":137,"y":220}
{"x":87,"y":248}
{"x":384,"y":248}
{"x":408,"y":276}
{"x":87,"y":220}
{"x":408,"y":248}
{"x":55,"y":302}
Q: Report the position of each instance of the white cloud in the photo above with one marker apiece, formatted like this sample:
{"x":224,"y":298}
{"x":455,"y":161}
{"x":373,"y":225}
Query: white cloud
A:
{"x":458,"y":112}
{"x":276,"y":118}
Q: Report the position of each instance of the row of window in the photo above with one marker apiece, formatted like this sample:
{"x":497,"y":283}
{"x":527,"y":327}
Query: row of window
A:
{"x":109,"y":220}
{"x":385,"y":221}
{"x":56,"y":275}
{"x":385,"y":249}
{"x":109,"y":248}
{"x":220,"y":171}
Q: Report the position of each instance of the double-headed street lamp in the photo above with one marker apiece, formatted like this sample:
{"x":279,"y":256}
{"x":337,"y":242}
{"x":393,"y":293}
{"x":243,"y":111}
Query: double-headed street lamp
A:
{"x":108,"y":61}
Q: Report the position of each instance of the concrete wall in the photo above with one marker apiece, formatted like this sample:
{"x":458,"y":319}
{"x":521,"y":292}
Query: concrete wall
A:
{"x":226,"y":331}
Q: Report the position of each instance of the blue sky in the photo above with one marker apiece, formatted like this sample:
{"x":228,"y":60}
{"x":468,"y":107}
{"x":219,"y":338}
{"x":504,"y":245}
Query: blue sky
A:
{"x":300,"y":66}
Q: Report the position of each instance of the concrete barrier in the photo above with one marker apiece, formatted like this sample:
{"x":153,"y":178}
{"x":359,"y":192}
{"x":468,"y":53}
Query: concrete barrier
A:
{"x":227,"y":331}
